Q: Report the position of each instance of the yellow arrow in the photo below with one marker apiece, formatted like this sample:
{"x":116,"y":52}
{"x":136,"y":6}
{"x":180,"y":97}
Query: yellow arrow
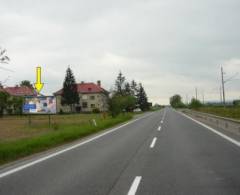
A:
{"x":38,"y":85}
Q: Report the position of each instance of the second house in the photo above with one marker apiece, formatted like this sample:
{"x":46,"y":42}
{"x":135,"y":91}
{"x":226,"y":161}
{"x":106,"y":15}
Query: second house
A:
{"x":91,"y":97}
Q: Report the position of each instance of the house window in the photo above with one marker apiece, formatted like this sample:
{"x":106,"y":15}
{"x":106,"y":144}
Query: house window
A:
{"x":92,"y":97}
{"x":92,"y":105}
{"x":84,"y":104}
{"x":84,"y":97}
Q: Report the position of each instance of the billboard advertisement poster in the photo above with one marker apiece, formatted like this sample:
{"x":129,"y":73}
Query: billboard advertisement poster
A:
{"x":40,"y":105}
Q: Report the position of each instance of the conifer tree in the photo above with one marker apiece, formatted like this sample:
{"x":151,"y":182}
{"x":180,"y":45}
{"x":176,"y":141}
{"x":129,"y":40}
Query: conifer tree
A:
{"x":127,"y":89}
{"x":134,"y":88}
{"x":142,"y":99}
{"x":70,"y":95}
{"x":119,"y":84}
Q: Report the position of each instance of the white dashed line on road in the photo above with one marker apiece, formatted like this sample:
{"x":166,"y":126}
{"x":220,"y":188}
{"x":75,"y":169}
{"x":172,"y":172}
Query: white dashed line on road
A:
{"x":134,"y":186}
{"x":153,"y":142}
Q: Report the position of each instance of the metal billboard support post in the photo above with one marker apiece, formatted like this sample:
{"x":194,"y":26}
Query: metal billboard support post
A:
{"x":29,"y":120}
{"x":49,"y":120}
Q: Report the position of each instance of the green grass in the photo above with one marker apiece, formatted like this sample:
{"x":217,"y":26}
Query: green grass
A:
{"x":12,"y":150}
{"x":229,"y":112}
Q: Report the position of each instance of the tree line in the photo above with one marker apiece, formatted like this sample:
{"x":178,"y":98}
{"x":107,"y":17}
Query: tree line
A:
{"x":127,"y":96}
{"x":176,"y":102}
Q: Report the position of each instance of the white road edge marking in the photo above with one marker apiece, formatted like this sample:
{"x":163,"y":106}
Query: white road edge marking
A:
{"x":153,"y":142}
{"x":134,"y":186}
{"x":213,"y":130}
{"x":159,"y":128}
{"x":21,"y":167}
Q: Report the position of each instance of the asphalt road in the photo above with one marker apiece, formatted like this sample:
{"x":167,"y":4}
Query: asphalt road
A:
{"x":161,"y":153}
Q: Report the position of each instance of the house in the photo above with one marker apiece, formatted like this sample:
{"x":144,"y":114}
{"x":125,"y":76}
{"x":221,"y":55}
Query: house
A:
{"x":91,"y":96}
{"x":15,"y":101}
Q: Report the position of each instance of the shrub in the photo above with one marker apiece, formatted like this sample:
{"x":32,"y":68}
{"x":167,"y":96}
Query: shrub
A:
{"x":195,"y":104}
{"x":96,"y":110}
{"x":61,"y":111}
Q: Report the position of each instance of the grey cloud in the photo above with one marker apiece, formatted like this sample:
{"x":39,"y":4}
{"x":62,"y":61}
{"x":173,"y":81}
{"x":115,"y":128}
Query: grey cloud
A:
{"x":171,"y":46}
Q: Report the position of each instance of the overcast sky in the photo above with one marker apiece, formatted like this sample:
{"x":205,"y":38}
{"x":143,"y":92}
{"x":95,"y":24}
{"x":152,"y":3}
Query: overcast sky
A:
{"x":170,"y":46}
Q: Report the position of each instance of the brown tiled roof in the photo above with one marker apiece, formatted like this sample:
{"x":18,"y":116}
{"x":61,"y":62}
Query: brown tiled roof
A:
{"x":20,"y":91}
{"x":86,"y":88}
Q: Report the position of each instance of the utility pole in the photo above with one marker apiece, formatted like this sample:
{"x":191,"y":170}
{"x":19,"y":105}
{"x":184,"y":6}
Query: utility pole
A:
{"x":196,"y":91}
{"x":223,"y":87}
{"x":203,"y":98}
{"x":220,"y":90}
{"x":223,"y":84}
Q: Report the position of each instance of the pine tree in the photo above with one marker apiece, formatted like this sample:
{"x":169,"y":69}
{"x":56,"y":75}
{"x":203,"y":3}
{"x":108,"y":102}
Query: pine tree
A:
{"x":70,"y":95}
{"x":119,"y":84}
{"x":142,"y":98}
{"x":134,"y":88}
{"x":127,"y":89}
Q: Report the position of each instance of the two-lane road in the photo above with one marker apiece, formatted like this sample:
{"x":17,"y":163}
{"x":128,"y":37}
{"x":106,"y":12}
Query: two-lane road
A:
{"x":161,"y":153}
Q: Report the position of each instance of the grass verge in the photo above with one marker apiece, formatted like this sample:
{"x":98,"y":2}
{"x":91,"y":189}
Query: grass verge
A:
{"x":13,"y":150}
{"x":229,"y":112}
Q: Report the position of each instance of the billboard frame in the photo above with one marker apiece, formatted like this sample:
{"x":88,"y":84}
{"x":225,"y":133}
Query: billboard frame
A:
{"x":31,"y":113}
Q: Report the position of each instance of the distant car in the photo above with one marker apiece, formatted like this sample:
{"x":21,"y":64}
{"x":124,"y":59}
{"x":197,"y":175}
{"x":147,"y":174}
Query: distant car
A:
{"x":137,"y":110}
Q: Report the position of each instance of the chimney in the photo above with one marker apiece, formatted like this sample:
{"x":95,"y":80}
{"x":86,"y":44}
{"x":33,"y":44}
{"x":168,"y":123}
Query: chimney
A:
{"x":99,"y":83}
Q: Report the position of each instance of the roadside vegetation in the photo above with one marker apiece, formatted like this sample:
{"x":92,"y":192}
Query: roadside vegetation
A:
{"x":229,"y":112}
{"x":232,"y":111}
{"x":68,"y":128}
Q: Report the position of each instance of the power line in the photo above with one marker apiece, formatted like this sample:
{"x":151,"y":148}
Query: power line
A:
{"x":223,"y":84}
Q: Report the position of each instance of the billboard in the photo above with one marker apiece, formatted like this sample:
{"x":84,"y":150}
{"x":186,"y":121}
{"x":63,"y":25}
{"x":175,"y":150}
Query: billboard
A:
{"x":40,"y":105}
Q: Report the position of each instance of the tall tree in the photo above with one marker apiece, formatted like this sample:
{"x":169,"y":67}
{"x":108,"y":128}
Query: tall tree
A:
{"x":142,"y":98}
{"x":69,"y":94}
{"x":3,"y":57}
{"x":119,"y":84}
{"x":176,"y":101}
{"x":127,"y":89}
{"x":134,"y":88}
{"x":26,"y":83}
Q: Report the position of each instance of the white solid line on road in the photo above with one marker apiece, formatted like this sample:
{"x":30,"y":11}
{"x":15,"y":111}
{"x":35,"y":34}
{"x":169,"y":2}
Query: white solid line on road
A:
{"x":153,"y":142}
{"x":21,"y":167}
{"x":214,"y":130}
{"x":159,"y":128}
{"x":134,"y":186}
